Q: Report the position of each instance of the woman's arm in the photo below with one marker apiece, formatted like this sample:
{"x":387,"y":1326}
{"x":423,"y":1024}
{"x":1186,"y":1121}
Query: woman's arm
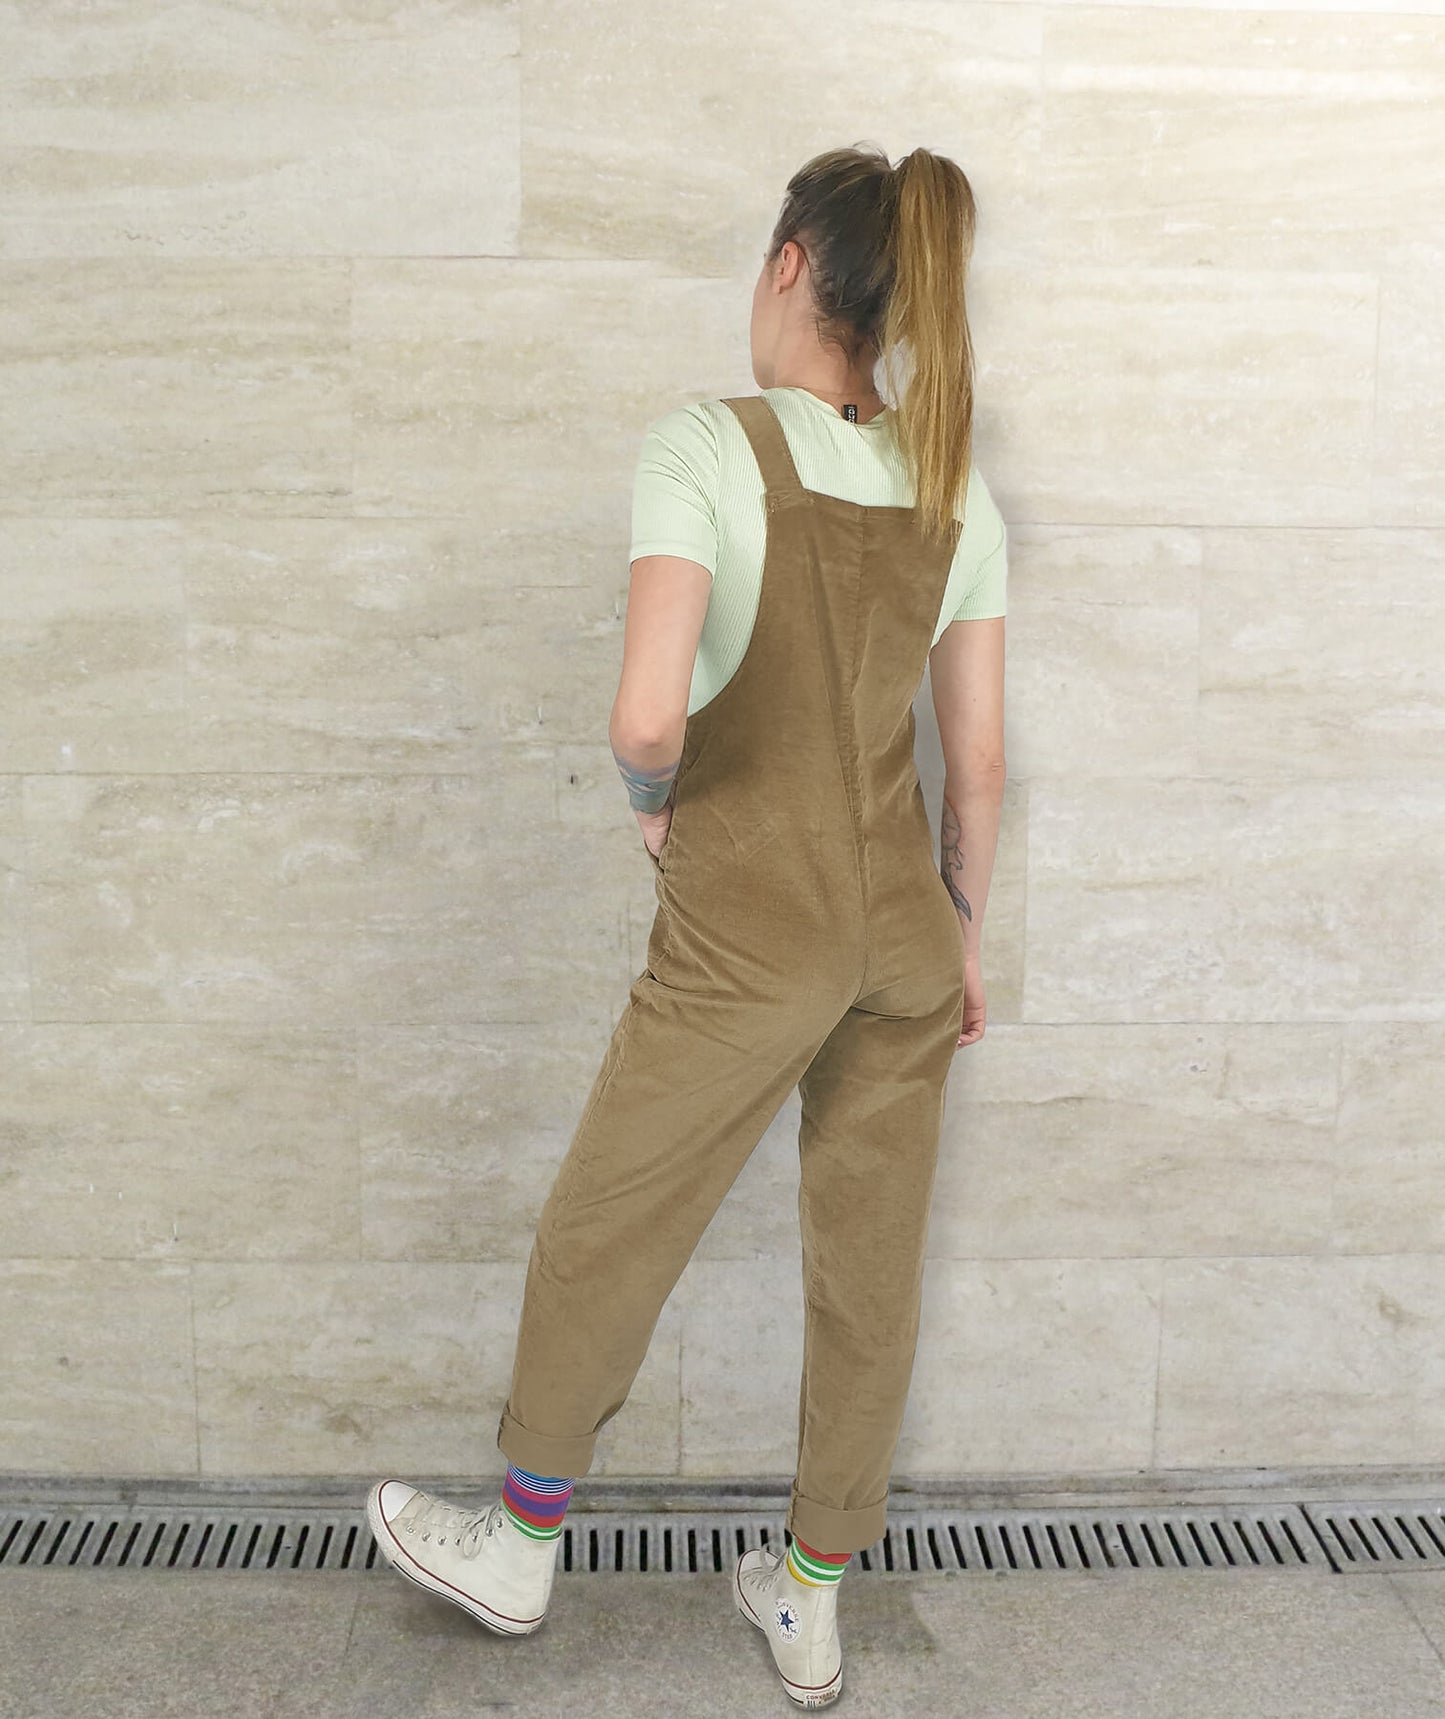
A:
{"x":966,"y":677}
{"x":667,"y":600}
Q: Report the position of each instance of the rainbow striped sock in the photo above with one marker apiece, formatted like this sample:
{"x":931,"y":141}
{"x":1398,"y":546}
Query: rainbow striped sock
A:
{"x":536,"y":1503}
{"x":816,"y":1569}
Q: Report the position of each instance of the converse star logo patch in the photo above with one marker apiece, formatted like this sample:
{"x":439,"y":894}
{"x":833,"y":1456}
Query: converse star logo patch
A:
{"x":786,"y":1618}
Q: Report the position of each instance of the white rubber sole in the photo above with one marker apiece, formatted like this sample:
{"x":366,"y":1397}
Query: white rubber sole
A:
{"x":822,"y":1696}
{"x":404,"y":1564}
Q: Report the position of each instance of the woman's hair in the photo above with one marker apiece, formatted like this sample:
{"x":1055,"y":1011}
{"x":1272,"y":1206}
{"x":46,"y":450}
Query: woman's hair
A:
{"x":888,"y":249}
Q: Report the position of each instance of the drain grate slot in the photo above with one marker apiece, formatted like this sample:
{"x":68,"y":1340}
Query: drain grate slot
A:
{"x":1395,"y":1536}
{"x":1241,"y":1538}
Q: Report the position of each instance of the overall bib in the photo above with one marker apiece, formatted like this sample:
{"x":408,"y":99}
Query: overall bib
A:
{"x":803,"y":937}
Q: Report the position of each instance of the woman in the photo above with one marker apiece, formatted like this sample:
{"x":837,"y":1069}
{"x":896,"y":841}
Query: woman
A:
{"x":798,"y":557}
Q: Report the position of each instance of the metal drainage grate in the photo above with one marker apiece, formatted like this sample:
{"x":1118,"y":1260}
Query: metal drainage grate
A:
{"x":1216,"y":1537}
{"x":1378,"y":1536}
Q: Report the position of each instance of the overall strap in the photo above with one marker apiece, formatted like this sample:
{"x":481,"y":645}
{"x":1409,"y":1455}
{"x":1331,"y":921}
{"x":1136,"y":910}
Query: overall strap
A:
{"x":769,"y":444}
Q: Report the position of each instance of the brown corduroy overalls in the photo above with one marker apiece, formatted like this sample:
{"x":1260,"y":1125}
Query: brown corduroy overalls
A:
{"x":803,"y":937}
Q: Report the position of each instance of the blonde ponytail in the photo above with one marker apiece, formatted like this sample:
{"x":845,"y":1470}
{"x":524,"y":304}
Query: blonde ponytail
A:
{"x":888,"y":251}
{"x":927,"y":316}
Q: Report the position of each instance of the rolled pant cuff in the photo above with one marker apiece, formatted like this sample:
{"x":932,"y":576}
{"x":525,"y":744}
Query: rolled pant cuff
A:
{"x":827,"y":1530}
{"x":540,"y":1453}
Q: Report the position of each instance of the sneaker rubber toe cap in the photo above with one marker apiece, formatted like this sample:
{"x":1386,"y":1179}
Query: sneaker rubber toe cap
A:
{"x":392,"y":1496}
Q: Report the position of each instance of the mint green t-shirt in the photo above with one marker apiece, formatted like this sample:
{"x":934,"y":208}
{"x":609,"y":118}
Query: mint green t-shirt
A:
{"x":697,"y":493}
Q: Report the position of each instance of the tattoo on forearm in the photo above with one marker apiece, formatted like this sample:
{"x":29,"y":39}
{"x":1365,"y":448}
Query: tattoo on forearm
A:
{"x":951,"y":870}
{"x":647,"y":786}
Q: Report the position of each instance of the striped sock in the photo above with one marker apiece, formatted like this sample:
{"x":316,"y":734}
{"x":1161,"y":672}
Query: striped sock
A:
{"x":536,"y":1503}
{"x":816,"y":1569}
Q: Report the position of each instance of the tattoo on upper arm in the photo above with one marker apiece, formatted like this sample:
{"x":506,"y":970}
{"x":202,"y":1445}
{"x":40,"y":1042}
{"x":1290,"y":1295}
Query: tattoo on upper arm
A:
{"x":951,"y":869}
{"x":647,"y":788}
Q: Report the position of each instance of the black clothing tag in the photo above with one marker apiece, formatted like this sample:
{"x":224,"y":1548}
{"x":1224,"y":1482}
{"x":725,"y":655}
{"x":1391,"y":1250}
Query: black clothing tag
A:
{"x":851,"y":414}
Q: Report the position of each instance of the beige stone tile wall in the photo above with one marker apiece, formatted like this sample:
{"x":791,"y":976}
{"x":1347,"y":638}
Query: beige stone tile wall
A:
{"x":327,"y":336}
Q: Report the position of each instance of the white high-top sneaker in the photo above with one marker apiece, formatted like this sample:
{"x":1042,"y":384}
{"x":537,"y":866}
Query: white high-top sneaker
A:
{"x":800,"y":1622}
{"x":479,"y":1559}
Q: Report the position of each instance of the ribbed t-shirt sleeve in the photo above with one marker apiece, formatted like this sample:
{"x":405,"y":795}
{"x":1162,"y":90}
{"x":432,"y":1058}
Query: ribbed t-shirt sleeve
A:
{"x":984,"y":596}
{"x":675,"y":488}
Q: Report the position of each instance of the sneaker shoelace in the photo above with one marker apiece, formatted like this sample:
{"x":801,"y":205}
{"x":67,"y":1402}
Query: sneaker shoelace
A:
{"x":466,"y":1528}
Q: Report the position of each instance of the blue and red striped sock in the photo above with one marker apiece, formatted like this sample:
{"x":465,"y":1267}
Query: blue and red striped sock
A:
{"x":536,"y":1503}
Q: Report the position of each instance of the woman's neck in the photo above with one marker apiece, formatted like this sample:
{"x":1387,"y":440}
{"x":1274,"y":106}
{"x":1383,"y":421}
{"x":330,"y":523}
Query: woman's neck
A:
{"x":864,"y":396}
